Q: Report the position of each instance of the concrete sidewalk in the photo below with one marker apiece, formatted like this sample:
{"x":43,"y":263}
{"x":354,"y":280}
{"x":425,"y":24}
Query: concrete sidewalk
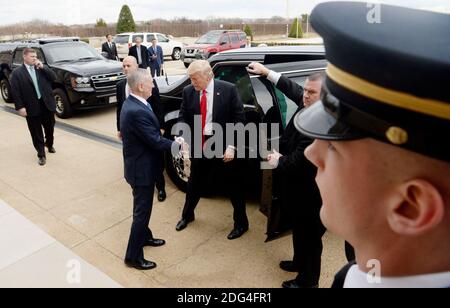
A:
{"x":81,"y":199}
{"x":30,"y":258}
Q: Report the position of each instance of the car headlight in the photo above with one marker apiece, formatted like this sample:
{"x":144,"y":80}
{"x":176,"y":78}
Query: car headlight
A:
{"x":81,"y":82}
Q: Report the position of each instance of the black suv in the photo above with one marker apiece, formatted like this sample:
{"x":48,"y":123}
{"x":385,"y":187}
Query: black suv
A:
{"x":263,"y":102}
{"x":85,"y":79}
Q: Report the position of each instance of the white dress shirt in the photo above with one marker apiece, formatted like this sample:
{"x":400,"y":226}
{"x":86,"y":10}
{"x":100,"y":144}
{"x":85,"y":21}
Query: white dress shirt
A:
{"x":127,"y":91}
{"x":210,"y":106}
{"x":274,"y":77}
{"x":358,"y":279}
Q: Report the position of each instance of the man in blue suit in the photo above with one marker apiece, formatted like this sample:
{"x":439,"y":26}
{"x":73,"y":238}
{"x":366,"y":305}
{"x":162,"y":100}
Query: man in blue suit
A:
{"x":142,"y":148}
{"x":156,"y":58}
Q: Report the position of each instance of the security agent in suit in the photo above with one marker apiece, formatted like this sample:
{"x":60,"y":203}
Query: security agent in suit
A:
{"x":215,"y":102}
{"x":142,"y":147}
{"x":31,"y":86}
{"x":140,"y":52}
{"x":110,"y":48}
{"x":381,"y":130}
{"x":130,"y":65}
{"x":156,"y":58}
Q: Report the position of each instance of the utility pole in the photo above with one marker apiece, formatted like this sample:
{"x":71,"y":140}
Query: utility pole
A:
{"x":287,"y":18}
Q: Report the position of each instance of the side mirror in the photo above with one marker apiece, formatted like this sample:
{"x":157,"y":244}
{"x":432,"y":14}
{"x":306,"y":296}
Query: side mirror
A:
{"x":223,"y":43}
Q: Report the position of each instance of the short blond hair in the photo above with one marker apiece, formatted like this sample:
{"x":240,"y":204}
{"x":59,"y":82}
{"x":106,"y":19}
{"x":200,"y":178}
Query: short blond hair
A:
{"x":200,"y":67}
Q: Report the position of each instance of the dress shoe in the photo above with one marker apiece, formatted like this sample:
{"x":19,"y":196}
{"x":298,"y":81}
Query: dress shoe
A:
{"x":289,"y":266}
{"x":183,"y":223}
{"x":142,"y":264}
{"x":237,"y":233}
{"x":51,"y":150}
{"x":293,"y":284}
{"x":162,"y":195}
{"x":42,"y":161}
{"x":155,"y":243}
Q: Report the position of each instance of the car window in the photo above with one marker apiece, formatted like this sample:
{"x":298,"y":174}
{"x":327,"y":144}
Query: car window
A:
{"x":122,"y":39}
{"x":287,"y":107}
{"x":225,"y":39}
{"x":242,"y":36}
{"x":18,"y":57}
{"x":136,"y":36}
{"x":162,"y":39}
{"x":238,"y":75}
{"x":234,"y":37}
{"x":150,"y":37}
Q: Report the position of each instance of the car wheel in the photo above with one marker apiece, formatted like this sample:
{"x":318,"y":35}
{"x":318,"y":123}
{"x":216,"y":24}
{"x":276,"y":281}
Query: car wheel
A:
{"x":176,"y":55}
{"x":177,"y":170}
{"x":6,"y":90}
{"x":63,"y":108}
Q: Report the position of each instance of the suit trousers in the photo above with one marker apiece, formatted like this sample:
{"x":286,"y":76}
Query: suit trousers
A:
{"x":45,"y":120}
{"x":203,"y":171}
{"x":156,"y":71}
{"x":140,"y":231}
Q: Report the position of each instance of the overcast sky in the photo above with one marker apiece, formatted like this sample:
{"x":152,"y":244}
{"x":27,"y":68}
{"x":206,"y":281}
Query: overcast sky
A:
{"x":87,"y":11}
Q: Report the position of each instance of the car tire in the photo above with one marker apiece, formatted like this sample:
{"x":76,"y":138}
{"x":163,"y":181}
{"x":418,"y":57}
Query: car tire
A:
{"x":175,"y":169}
{"x":63,"y":107}
{"x":176,"y":54}
{"x":6,"y":91}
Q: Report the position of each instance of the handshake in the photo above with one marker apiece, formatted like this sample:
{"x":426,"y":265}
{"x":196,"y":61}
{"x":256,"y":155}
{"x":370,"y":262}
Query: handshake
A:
{"x":184,"y":146}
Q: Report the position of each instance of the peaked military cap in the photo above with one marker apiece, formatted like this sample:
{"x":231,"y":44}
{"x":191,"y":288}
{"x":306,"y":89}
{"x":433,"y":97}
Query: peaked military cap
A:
{"x":388,"y":77}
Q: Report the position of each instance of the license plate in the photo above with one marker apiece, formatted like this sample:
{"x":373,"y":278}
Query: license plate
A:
{"x":113,"y":100}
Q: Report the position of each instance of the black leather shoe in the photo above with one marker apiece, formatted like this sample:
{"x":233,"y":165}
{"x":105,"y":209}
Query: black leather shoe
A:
{"x":142,"y":265}
{"x":293,"y":284}
{"x":162,"y":196}
{"x":42,"y":161}
{"x":155,"y":243}
{"x":237,"y":233}
{"x":183,"y":223}
{"x":289,"y":266}
{"x":51,"y":150}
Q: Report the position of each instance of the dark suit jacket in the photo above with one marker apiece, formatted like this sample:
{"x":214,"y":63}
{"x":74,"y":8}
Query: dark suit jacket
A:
{"x":112,"y":52}
{"x":156,"y":63}
{"x":142,"y":143}
{"x":295,"y":171}
{"x":24,"y":92}
{"x":144,"y":56}
{"x":228,"y":107}
{"x":154,"y":100}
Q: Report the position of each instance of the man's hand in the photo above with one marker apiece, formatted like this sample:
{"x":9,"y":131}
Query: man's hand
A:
{"x":258,"y":69}
{"x":163,"y":132}
{"x":38,"y":64}
{"x":23,"y":112}
{"x":183,"y":144}
{"x":229,"y":155}
{"x":274,"y":159}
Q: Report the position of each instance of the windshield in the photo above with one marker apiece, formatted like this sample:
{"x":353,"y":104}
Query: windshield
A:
{"x":209,"y":38}
{"x":71,"y":53}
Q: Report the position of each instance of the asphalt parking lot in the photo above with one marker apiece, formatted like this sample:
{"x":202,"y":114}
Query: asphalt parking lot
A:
{"x":81,"y":199}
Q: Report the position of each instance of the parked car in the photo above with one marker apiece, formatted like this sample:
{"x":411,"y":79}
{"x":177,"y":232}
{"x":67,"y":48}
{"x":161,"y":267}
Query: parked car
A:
{"x":263,"y":102}
{"x":170,"y":47}
{"x":85,"y":79}
{"x":213,"y":42}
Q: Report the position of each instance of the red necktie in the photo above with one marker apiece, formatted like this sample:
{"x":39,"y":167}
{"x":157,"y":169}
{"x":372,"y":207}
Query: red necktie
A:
{"x":204,"y":110}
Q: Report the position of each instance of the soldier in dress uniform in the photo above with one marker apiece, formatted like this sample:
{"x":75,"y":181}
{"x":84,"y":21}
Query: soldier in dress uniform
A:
{"x":382,"y":142}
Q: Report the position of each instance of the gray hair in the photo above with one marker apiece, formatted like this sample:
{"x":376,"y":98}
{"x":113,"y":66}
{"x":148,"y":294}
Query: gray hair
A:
{"x":201,"y":66}
{"x":140,"y":76}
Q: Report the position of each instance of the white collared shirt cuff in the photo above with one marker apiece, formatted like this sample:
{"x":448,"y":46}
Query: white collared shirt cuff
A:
{"x":274,"y":77}
{"x":230,"y":147}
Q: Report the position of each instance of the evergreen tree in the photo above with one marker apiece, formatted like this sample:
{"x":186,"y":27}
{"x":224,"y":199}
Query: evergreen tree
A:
{"x":296,"y":29}
{"x":126,"y":21}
